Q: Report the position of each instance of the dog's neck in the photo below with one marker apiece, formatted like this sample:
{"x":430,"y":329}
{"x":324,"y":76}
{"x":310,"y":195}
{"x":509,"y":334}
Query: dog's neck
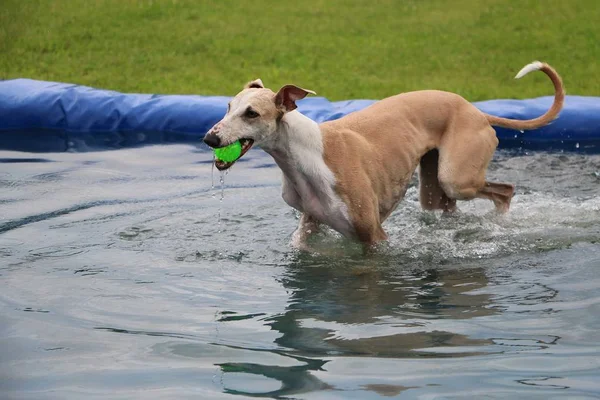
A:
{"x":297,"y":148}
{"x":309,"y":184}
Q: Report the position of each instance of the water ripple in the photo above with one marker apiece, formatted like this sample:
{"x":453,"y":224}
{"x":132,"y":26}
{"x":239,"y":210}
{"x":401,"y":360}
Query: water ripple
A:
{"x":117,"y":283}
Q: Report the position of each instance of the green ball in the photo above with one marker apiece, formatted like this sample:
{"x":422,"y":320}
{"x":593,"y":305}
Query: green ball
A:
{"x":229,"y":153}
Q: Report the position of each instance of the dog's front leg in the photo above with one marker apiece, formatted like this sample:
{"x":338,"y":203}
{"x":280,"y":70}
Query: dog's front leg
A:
{"x":307,"y":227}
{"x":290,"y":195}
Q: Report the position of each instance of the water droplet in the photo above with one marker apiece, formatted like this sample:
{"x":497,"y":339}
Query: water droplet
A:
{"x":577,"y":145}
{"x":522,"y":131}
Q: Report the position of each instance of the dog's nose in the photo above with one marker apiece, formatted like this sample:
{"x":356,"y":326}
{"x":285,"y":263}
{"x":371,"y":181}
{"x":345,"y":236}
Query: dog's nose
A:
{"x":212,"y":140}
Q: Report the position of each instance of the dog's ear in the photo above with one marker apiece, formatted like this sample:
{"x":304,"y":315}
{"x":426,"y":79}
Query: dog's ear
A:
{"x":255,"y":84}
{"x":287,"y":96}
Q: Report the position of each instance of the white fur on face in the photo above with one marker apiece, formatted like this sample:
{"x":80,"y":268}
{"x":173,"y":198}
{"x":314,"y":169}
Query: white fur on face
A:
{"x":236,"y":125}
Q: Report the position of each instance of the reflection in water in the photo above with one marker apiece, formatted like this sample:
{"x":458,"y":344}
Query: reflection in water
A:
{"x":294,"y":380}
{"x":385,"y":310}
{"x":346,"y":308}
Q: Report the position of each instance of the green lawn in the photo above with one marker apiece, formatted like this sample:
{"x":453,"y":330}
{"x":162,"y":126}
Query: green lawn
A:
{"x":340,"y":49}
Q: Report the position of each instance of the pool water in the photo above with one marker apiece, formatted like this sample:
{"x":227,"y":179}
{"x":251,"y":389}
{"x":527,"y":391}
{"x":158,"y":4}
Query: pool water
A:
{"x":118,"y":281}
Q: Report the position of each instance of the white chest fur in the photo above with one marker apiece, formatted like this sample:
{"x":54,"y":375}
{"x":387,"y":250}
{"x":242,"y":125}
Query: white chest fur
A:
{"x":308,"y":183}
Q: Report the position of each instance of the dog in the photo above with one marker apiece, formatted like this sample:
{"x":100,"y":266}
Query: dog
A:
{"x":351,"y":173}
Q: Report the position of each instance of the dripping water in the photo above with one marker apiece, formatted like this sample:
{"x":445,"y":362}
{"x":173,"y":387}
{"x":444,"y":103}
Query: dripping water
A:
{"x":212,"y":177}
{"x":214,"y":192}
{"x":222,"y":181}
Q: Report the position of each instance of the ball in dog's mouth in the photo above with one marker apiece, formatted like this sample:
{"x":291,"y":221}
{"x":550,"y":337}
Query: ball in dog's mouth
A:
{"x":223,"y":165}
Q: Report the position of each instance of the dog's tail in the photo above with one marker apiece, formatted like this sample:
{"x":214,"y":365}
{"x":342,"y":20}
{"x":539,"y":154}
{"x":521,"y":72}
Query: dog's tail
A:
{"x":551,"y":114}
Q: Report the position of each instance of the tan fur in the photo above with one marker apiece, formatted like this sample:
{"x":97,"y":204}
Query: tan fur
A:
{"x":374,"y":152}
{"x":549,"y":116}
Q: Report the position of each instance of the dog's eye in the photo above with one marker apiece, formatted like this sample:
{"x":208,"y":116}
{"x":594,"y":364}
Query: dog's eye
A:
{"x":250,"y":113}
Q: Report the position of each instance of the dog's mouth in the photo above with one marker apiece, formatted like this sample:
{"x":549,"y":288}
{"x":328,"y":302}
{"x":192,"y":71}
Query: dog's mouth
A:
{"x":223,"y":165}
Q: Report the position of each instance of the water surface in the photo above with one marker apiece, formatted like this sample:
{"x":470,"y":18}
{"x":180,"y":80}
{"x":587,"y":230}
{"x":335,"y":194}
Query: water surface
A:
{"x":118,"y":282}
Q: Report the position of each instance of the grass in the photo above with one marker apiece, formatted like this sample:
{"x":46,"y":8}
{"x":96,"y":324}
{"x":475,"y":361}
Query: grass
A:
{"x":341,"y":49}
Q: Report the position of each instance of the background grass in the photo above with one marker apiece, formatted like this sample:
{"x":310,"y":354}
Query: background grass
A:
{"x":341,"y":49}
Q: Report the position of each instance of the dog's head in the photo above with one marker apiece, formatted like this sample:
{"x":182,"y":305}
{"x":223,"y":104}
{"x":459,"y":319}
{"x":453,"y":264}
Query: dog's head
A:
{"x":253,"y":117}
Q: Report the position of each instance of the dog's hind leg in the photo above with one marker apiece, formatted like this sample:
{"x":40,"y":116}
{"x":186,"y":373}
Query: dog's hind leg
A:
{"x":500,"y":193}
{"x":463,"y":164}
{"x":431,"y":194}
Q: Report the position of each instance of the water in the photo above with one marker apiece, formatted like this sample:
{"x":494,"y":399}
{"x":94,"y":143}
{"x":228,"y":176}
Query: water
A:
{"x":117,"y":284}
